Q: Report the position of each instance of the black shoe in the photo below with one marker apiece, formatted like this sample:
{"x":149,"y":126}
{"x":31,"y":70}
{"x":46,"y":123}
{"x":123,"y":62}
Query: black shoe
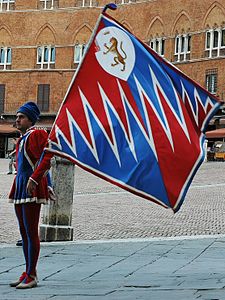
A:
{"x":19,"y":243}
{"x":9,"y":173}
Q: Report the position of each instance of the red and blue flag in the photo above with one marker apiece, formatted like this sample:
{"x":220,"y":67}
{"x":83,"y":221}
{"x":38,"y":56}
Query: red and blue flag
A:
{"x":132,"y":118}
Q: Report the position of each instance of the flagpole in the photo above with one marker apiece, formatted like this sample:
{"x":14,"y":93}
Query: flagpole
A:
{"x":111,"y":6}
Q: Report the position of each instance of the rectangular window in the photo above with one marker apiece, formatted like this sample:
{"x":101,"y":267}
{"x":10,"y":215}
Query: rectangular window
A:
{"x":43,"y":94}
{"x":189,"y":44}
{"x":182,"y":47}
{"x":49,"y":4}
{"x":78,"y":52}
{"x":5,"y":58}
{"x":215,"y":39}
{"x":215,"y":43}
{"x":124,"y":1}
{"x":2,"y":97}
{"x":208,"y":39}
{"x":177,"y":45}
{"x":158,"y":45}
{"x":211,"y":81}
{"x":223,"y":38}
{"x":7,"y":5}
{"x":182,"y":44}
{"x":46,"y":57}
{"x":86,"y":3}
{"x":163,"y":47}
{"x":2,"y":56}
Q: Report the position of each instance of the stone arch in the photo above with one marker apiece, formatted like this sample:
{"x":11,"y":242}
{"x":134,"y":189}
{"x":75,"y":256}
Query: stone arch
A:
{"x":127,"y":25}
{"x":156,"y":28}
{"x":5,"y":36}
{"x":46,"y":35}
{"x":215,"y":16}
{"x":182,"y":23}
{"x":82,"y":34}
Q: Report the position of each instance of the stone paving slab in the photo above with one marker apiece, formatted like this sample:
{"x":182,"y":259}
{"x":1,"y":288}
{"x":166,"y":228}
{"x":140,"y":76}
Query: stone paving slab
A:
{"x":180,"y":268}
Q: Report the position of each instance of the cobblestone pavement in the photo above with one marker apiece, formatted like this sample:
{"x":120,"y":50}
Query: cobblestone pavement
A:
{"x":103,"y":211}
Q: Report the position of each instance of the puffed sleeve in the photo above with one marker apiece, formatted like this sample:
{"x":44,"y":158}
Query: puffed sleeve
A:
{"x":38,"y":140}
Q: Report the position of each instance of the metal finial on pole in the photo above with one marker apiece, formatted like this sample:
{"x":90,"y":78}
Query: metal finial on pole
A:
{"x":111,"y":6}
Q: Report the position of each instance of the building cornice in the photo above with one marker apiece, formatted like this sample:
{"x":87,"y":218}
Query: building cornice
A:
{"x":72,"y":8}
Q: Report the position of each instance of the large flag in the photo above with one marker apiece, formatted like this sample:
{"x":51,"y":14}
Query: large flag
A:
{"x":132,"y":118}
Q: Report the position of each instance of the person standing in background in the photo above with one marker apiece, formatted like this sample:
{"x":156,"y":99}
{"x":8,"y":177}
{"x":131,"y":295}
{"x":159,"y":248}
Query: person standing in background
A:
{"x":12,"y":156}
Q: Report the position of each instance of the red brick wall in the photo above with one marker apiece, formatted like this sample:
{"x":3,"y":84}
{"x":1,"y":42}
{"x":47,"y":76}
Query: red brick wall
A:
{"x":27,"y":28}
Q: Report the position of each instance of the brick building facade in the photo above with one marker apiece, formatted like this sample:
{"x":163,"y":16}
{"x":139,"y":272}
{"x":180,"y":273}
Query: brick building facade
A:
{"x":42,"y":42}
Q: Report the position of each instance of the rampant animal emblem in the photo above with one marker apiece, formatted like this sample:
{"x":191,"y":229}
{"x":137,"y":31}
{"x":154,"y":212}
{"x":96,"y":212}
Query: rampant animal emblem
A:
{"x":114,"y":48}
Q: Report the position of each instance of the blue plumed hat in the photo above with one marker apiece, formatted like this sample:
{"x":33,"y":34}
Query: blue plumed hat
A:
{"x":31,"y":110}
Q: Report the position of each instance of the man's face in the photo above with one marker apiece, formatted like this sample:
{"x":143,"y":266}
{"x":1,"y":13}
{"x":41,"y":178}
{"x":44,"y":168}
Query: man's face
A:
{"x":22,"y":122}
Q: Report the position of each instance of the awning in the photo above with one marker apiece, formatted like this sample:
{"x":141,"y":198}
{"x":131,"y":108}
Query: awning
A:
{"x":7,"y":129}
{"x":218,"y":133}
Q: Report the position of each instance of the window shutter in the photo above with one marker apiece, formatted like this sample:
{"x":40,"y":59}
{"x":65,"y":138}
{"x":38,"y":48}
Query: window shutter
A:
{"x":46,"y":97}
{"x":40,"y":96}
{"x":211,"y":80}
{"x":43,"y":97}
{"x":2,"y":97}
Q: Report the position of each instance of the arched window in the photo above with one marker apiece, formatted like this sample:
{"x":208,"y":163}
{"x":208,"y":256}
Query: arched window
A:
{"x":158,"y":44}
{"x":46,"y":57}
{"x":78,"y":52}
{"x":215,"y":42}
{"x":5,"y":58}
{"x":182,"y":47}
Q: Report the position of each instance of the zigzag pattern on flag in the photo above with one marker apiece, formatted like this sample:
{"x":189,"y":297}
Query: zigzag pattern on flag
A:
{"x":143,"y":133}
{"x":197,"y":113}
